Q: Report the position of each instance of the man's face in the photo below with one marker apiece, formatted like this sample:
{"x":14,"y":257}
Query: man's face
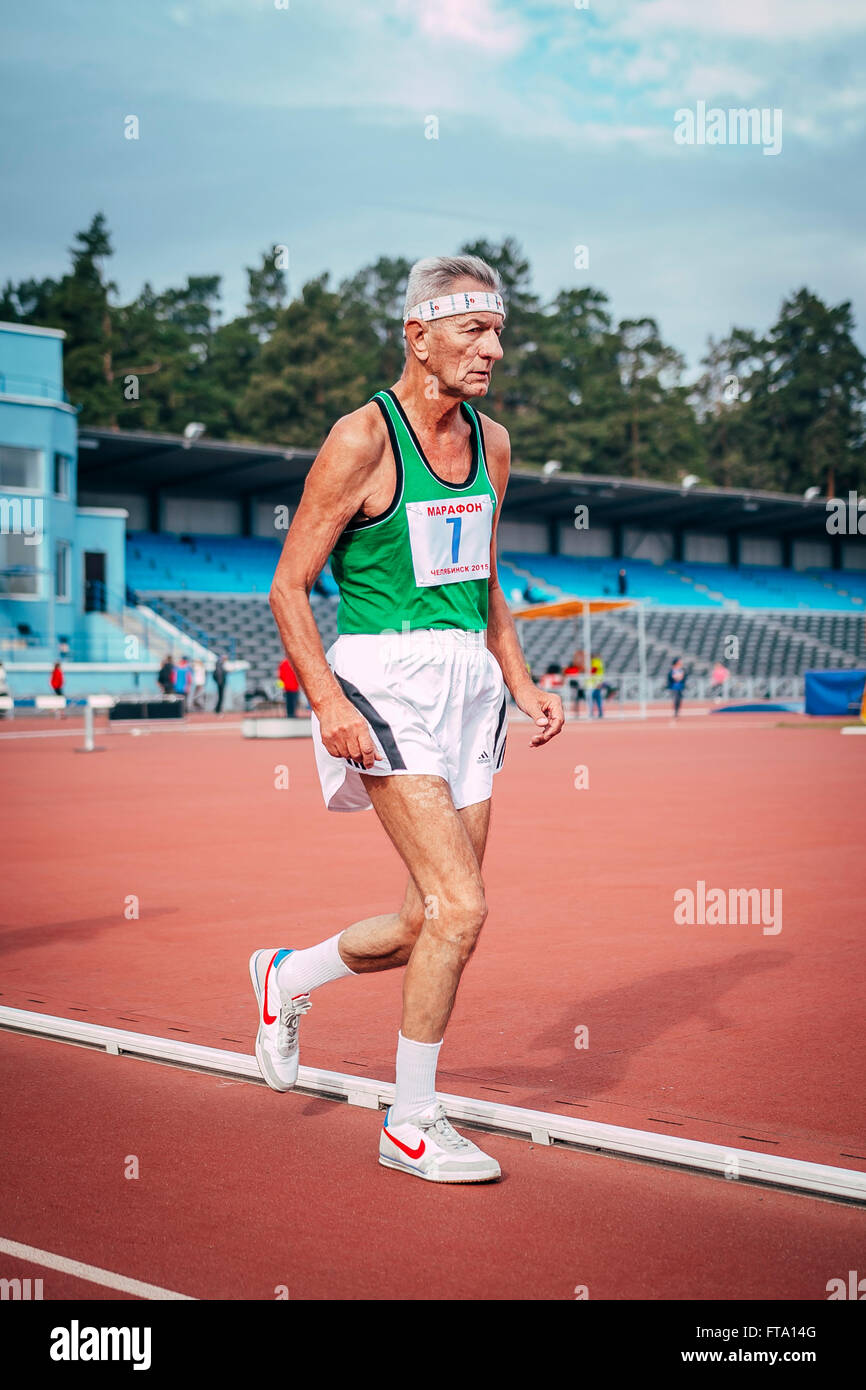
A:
{"x":463,"y":348}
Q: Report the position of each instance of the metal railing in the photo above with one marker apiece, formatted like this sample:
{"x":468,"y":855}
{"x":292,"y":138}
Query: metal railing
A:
{"x":11,"y":640}
{"x":746,"y":688}
{"x":98,"y":598}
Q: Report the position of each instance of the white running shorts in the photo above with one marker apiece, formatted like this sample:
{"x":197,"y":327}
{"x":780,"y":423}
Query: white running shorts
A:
{"x":435,"y":703}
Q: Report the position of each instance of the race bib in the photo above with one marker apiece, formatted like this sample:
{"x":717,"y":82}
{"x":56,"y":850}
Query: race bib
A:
{"x":450,"y":541}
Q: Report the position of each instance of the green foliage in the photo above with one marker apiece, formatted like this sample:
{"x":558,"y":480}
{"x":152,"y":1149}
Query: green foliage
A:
{"x":313,"y":369}
{"x":792,"y":414}
{"x":781,"y":411}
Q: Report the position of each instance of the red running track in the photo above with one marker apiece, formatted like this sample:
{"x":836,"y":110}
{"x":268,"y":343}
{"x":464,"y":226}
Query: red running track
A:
{"x":717,"y":1033}
{"x":241,"y":1191}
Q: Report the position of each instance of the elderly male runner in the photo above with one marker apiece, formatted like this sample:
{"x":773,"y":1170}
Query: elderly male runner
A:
{"x":409,"y":702}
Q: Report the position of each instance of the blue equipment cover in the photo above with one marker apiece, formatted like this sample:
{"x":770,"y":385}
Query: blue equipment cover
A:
{"x":834,"y":692}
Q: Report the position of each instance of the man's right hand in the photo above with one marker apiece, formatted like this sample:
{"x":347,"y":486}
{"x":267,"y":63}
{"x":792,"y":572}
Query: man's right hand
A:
{"x":345,"y":732}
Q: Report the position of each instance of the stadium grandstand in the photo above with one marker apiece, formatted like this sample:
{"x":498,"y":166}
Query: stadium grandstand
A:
{"x":707,"y":563}
{"x":173,"y":541}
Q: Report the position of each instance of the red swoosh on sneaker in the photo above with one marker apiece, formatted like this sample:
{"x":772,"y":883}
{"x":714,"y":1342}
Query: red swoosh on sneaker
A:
{"x":413,"y":1153}
{"x":268,"y":1018}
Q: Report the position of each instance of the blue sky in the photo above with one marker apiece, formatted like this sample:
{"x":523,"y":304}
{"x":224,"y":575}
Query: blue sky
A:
{"x":305,"y":126}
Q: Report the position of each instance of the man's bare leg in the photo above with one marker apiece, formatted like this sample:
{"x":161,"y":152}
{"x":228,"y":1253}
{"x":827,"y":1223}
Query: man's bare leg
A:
{"x":435,"y":931}
{"x":387,"y":941}
{"x":442,"y":848}
{"x":283,"y":979}
{"x":433,"y":934}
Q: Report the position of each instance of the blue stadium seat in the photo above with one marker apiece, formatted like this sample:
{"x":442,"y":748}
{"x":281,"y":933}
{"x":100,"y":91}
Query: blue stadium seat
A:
{"x":206,"y":564}
{"x":689,"y":584}
{"x":245,"y":565}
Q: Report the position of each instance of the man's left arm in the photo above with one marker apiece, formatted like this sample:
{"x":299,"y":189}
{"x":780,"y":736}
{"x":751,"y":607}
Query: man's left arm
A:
{"x":542,"y":706}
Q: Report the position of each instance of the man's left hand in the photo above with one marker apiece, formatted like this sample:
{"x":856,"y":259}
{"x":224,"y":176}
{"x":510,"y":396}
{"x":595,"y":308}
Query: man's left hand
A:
{"x":545,"y":709}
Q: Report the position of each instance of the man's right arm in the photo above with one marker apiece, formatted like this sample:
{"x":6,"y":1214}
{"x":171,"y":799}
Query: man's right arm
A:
{"x":337,"y":486}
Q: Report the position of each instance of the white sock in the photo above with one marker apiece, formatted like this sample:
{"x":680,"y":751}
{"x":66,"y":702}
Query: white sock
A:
{"x":305,"y":970}
{"x":416,"y":1078}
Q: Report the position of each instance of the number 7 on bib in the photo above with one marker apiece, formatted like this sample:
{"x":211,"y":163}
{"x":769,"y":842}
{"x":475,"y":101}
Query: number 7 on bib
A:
{"x":450,"y":541}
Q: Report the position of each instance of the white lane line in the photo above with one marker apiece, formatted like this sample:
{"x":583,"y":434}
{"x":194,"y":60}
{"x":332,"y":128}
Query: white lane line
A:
{"x":47,"y":733}
{"x":92,"y":1273}
{"x":543,"y":1127}
{"x":655,"y":721}
{"x":156,"y":728}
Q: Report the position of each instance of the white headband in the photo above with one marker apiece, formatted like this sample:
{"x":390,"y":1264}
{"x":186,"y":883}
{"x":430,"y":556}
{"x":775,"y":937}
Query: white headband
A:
{"x":462,"y":303}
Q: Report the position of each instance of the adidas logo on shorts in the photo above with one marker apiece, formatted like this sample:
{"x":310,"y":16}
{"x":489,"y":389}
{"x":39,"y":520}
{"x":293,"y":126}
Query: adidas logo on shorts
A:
{"x":483,"y":757}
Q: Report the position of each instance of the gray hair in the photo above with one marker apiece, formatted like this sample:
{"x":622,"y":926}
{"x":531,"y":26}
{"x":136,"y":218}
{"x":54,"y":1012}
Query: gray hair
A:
{"x":433,"y":275}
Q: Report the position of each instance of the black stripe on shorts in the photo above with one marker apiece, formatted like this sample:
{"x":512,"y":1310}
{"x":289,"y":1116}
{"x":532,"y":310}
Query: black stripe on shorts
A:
{"x":380,"y":726}
{"x":500,"y":725}
{"x":501,"y":759}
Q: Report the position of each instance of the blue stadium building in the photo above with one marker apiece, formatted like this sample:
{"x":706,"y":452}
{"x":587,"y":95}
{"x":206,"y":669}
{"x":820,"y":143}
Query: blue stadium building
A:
{"x":63,"y":590}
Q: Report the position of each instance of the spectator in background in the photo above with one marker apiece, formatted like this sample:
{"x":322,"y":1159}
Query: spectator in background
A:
{"x":56,"y":679}
{"x":595,"y":683}
{"x":622,"y":581}
{"x":183,"y":681}
{"x":165,"y":679}
{"x":677,"y":683}
{"x":4,"y":686}
{"x":552,"y":679}
{"x":289,"y":681}
{"x":719,"y":676}
{"x":219,"y":675}
{"x":571,"y":673}
{"x":199,"y":680}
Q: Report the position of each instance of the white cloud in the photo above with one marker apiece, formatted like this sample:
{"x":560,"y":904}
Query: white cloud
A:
{"x":647,"y":67}
{"x":763,"y":19}
{"x":717,"y":81}
{"x":523,"y":67}
{"x":848,"y":99}
{"x":661,"y":53}
{"x":480,"y":26}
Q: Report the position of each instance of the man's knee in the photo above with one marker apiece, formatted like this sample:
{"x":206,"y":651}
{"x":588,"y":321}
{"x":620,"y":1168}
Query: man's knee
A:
{"x":458,"y":915}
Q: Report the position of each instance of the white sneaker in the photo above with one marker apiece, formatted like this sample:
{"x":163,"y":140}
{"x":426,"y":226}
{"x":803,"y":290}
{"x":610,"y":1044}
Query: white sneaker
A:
{"x":430,"y":1148}
{"x":277,"y":1051}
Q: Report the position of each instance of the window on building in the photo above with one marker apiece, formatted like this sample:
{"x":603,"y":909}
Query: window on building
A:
{"x":19,"y":565}
{"x":20,"y":468}
{"x":62,"y":560}
{"x":62,"y":474}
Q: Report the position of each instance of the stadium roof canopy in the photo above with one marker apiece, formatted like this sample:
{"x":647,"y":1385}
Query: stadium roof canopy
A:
{"x":112,"y":462}
{"x":117,"y":461}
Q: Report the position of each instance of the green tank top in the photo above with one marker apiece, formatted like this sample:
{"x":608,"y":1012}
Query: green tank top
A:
{"x":425,"y":561}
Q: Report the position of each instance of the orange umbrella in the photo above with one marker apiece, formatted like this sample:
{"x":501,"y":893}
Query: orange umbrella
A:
{"x":584,"y":607}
